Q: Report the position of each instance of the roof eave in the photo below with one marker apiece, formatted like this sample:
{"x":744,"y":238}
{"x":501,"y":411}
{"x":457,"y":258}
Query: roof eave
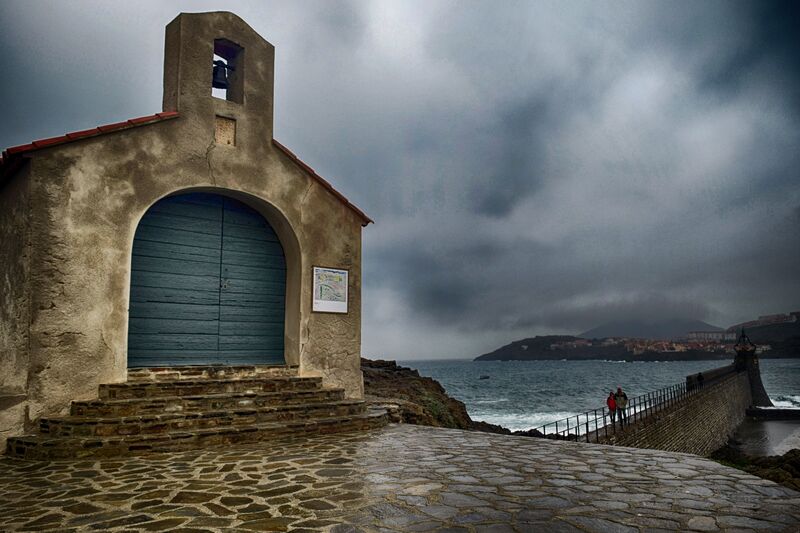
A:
{"x":325,"y":183}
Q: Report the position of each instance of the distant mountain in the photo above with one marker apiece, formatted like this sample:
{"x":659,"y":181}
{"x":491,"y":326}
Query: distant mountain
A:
{"x":666,"y":329}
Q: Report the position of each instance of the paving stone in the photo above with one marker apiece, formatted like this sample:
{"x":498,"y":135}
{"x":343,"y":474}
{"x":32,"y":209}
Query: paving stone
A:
{"x":167,"y":524}
{"x":460,"y":500}
{"x":46,"y":520}
{"x":218,"y":509}
{"x":600,"y":525}
{"x":746,"y":522}
{"x":192,"y":497}
{"x":400,"y":478}
{"x":82,"y":508}
{"x":267,"y":524}
{"x":253,"y":508}
{"x":131,"y":520}
{"x":702,"y":523}
{"x":493,"y":528}
{"x":278,"y":491}
{"x":317,"y":505}
{"x":235,"y":501}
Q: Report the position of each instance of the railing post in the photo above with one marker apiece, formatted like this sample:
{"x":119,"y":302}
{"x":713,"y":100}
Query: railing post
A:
{"x":587,"y":424}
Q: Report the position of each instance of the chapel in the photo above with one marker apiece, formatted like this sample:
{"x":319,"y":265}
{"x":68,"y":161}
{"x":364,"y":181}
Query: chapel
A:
{"x":177,"y":256}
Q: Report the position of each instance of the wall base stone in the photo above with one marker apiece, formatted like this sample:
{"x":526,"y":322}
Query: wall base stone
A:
{"x":700,"y":425}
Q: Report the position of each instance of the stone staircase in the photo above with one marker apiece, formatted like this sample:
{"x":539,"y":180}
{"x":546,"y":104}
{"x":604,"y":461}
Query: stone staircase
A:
{"x":179,"y":408}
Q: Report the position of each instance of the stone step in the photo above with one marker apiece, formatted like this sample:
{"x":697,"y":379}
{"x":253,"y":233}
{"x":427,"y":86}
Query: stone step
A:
{"x":157,"y":389}
{"x":196,"y":372}
{"x":49,"y":448}
{"x":79,"y":426}
{"x":200,"y":403}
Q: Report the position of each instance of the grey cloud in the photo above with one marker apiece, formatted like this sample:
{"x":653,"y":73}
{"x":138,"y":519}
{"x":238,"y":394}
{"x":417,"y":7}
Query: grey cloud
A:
{"x":514,"y":160}
{"x":532,"y":167}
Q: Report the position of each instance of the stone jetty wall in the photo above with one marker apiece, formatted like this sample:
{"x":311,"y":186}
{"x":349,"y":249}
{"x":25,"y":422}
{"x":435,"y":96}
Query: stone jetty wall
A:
{"x":700,"y":424}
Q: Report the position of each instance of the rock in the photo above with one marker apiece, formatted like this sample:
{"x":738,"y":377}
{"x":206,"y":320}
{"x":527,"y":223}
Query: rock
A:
{"x":414,"y":399}
{"x":783,"y":469}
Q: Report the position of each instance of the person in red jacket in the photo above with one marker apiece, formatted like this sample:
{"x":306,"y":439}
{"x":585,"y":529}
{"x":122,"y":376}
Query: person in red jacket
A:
{"x":611,"y":402}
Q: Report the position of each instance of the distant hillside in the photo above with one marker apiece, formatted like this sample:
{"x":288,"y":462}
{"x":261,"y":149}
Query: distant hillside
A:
{"x":566,"y":347}
{"x":666,"y":330}
{"x":773,"y":332}
{"x":528,"y":349}
{"x":783,"y":339}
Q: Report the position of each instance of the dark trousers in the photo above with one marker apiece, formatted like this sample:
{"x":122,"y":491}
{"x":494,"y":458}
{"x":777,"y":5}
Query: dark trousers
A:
{"x":623,"y":418}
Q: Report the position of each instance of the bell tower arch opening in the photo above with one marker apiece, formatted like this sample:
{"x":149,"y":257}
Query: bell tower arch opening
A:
{"x":227,"y":73}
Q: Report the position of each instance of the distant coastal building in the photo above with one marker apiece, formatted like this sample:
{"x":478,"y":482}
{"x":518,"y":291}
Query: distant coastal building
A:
{"x":766,"y":320}
{"x":715,"y":336}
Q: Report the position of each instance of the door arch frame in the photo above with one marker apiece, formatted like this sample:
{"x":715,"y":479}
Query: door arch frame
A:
{"x":291,"y":252}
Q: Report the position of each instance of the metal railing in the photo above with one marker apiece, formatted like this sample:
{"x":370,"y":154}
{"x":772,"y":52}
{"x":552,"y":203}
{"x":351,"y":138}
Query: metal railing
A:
{"x":595,"y":424}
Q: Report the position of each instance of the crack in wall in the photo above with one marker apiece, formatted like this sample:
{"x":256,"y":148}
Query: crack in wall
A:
{"x":209,"y":151}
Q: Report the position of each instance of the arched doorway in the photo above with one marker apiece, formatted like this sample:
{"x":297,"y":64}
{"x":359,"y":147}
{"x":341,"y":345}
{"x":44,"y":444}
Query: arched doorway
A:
{"x":208,"y":285}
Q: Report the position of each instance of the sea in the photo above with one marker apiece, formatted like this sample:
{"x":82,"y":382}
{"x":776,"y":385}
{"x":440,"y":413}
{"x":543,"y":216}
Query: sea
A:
{"x":521,"y":395}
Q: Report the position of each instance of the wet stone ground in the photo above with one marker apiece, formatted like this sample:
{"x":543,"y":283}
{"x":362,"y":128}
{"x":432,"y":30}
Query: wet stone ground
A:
{"x":400,"y":478}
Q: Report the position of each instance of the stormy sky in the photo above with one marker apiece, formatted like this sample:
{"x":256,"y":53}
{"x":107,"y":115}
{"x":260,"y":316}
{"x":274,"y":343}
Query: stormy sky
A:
{"x":533,"y":167}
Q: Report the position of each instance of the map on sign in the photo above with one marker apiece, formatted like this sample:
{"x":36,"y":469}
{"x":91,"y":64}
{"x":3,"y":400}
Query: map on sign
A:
{"x":330,"y":290}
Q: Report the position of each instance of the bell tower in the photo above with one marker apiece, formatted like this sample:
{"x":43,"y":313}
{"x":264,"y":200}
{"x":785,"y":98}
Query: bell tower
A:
{"x":219,"y":73}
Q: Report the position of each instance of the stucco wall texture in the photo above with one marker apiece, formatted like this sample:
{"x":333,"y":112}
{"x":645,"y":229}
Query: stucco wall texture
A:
{"x":68,"y":218}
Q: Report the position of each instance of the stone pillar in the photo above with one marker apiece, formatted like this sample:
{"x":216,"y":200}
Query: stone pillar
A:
{"x":747,"y":361}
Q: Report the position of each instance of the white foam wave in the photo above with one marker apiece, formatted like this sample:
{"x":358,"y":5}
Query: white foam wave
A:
{"x":522,"y":422}
{"x":498,"y":400}
{"x":786,"y":401}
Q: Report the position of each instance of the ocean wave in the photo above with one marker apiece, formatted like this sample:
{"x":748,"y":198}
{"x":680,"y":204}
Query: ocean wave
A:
{"x":522,"y":422}
{"x":786,"y":401}
{"x":497,"y":400}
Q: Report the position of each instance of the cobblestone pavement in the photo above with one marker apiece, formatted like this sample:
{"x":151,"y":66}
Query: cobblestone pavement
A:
{"x":400,"y":478}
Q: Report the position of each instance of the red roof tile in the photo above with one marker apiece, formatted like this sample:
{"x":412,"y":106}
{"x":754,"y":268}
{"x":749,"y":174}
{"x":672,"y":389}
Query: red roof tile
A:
{"x":366,"y":220}
{"x":76,"y":135}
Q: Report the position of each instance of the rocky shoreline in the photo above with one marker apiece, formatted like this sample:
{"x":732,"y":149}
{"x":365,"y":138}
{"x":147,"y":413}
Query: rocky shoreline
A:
{"x":783,"y":469}
{"x":414,"y":399}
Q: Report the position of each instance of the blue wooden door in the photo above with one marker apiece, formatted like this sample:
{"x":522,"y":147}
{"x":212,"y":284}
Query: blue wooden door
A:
{"x":208,"y":282}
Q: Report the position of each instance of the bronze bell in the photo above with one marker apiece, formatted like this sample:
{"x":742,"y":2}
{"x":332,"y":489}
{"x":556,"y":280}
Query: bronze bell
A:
{"x":219,"y":79}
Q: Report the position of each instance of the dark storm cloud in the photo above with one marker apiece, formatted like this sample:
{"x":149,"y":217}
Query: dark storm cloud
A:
{"x":533,"y":167}
{"x":514,"y":158}
{"x":772,"y":50}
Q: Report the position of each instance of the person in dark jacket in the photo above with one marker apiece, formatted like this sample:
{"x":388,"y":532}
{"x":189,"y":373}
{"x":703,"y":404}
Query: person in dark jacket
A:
{"x":612,"y":406}
{"x":622,"y":403}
